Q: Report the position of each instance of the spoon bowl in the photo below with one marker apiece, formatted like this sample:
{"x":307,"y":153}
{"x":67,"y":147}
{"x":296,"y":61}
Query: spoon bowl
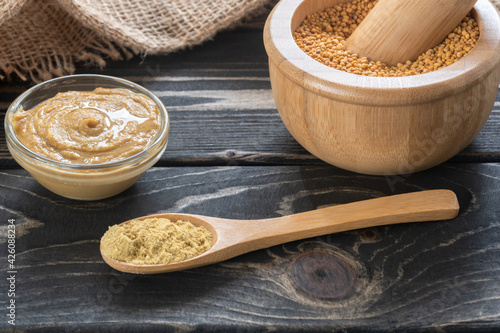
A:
{"x":231,"y":238}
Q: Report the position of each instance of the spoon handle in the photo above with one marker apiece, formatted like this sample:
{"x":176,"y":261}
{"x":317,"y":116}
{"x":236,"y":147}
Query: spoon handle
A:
{"x":421,"y":206}
{"x":235,"y":237}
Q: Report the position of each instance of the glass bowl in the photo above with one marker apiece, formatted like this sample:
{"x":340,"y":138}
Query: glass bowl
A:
{"x":84,"y":181}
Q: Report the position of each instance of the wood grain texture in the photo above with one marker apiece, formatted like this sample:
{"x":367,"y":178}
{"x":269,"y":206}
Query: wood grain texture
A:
{"x":410,"y":277}
{"x":222,"y":110}
{"x":233,"y":157}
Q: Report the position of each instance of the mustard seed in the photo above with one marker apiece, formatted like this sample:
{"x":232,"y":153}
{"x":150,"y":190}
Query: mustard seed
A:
{"x":322,"y":36}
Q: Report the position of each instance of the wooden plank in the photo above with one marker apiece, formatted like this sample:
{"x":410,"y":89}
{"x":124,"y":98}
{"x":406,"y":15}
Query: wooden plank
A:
{"x":222,"y":109}
{"x":436,"y":275}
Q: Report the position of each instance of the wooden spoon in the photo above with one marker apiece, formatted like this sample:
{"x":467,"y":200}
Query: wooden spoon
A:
{"x":235,"y":237}
{"x":395,"y":31}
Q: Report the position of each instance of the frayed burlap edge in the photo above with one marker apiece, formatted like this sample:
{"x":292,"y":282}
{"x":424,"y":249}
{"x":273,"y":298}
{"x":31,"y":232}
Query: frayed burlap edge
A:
{"x":28,"y":54}
{"x":42,"y":39}
{"x":169,"y":26}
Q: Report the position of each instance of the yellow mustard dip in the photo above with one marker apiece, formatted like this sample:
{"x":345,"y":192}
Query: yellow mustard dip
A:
{"x":89,"y":127}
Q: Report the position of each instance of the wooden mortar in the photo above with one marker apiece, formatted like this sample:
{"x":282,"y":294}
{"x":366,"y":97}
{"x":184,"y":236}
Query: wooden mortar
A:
{"x":381,"y":125}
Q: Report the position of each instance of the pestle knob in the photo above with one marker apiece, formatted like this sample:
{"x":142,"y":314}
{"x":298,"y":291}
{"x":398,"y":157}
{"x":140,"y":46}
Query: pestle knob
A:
{"x":395,"y":31}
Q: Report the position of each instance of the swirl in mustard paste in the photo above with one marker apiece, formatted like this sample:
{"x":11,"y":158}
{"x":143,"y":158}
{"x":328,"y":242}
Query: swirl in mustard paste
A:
{"x":89,"y":127}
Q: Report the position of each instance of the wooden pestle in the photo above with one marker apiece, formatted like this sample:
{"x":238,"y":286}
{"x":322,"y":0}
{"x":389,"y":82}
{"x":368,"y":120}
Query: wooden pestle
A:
{"x":395,"y":31}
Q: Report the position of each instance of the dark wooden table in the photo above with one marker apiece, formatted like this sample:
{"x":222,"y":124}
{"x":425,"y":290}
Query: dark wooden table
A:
{"x":229,"y":155}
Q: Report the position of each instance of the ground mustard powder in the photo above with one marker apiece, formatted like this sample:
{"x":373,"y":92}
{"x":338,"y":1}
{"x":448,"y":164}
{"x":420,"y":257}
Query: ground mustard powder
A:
{"x":155,"y":241}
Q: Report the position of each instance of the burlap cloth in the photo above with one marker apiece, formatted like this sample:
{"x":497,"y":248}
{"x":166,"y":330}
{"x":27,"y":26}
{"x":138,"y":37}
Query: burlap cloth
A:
{"x":40,"y":39}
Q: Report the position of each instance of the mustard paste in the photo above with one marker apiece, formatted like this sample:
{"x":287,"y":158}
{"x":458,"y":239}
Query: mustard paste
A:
{"x":89,"y":127}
